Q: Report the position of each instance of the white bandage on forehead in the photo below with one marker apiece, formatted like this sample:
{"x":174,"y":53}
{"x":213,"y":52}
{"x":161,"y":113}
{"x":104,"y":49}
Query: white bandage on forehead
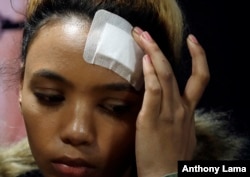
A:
{"x":110,"y":44}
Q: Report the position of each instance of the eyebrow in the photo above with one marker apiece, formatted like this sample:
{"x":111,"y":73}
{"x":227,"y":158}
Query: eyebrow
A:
{"x":120,"y":86}
{"x":51,"y":76}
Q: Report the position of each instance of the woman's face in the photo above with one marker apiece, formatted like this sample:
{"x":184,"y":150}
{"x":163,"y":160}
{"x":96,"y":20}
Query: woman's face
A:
{"x":80,"y":118}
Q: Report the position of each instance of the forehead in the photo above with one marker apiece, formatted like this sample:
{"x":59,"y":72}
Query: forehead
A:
{"x":65,"y":28}
{"x":58,"y":47}
{"x":57,"y":37}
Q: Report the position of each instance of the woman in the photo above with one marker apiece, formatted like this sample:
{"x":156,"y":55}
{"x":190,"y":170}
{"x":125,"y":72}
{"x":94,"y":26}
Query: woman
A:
{"x":83,"y":119}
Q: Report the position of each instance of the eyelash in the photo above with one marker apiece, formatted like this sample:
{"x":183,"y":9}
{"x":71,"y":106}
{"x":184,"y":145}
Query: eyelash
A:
{"x":49,"y":99}
{"x":115,"y":110}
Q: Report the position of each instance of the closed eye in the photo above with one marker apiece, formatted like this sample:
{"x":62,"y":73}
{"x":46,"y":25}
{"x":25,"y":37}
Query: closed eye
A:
{"x":115,"y":110}
{"x":48,"y":99}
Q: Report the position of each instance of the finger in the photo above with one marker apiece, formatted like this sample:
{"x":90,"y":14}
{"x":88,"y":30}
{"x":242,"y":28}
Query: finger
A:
{"x":163,"y":70}
{"x":200,"y":75}
{"x":152,"y":97}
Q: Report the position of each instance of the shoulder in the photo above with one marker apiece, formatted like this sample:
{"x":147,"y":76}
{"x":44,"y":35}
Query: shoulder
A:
{"x":16,"y":159}
{"x":216,"y":137}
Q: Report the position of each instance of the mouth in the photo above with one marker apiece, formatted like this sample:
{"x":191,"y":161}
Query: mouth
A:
{"x":67,"y":167}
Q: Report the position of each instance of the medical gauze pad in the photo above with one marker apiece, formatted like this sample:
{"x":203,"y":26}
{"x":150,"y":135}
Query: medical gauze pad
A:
{"x":110,"y":44}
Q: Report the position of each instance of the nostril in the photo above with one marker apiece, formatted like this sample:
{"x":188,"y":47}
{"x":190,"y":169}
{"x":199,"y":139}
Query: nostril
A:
{"x":78,"y":133}
{"x":77,"y":138}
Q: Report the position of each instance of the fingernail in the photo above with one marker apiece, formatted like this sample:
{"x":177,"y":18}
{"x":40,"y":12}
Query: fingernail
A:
{"x":147,"y":58}
{"x":193,"y":39}
{"x":147,"y":36}
{"x":137,"y":30}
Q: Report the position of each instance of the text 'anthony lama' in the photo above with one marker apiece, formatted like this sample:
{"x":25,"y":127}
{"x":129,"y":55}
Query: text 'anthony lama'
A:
{"x":215,"y":170}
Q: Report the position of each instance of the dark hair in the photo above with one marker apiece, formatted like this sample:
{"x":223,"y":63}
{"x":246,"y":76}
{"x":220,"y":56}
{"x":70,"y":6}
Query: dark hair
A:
{"x":138,"y":13}
{"x":161,"y":18}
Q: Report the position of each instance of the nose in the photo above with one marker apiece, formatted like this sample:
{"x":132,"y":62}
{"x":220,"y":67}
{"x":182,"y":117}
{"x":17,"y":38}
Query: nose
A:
{"x":78,"y":126}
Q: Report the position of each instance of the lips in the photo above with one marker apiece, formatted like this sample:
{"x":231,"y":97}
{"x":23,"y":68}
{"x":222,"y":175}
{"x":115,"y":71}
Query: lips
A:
{"x":67,"y":167}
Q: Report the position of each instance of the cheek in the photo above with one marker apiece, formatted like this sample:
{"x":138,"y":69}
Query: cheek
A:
{"x":118,"y":145}
{"x":35,"y":118}
{"x":41,"y":125}
{"x":41,"y":131}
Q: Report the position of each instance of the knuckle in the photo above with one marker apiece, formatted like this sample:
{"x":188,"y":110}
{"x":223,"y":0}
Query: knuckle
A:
{"x":154,"y":89}
{"x":155,"y":48}
{"x":204,"y":78}
{"x":167,"y":120}
{"x":180,"y":113}
{"x":183,"y":116}
{"x":168,"y":76}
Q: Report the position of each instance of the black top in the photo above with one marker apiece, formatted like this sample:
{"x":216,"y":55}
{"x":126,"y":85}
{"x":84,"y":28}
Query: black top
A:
{"x":34,"y":173}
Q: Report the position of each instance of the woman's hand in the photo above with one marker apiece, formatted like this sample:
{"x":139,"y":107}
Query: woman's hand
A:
{"x":165,"y":124}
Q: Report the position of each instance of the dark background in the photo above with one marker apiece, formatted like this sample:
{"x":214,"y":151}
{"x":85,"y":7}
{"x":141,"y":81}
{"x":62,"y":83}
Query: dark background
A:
{"x":221,"y":28}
